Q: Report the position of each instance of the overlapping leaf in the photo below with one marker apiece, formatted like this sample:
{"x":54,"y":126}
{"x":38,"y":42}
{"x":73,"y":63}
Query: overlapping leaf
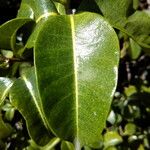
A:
{"x":8,"y":32}
{"x":39,"y":11}
{"x":138,"y":26}
{"x":25,"y":97}
{"x":36,"y":9}
{"x":121,"y":15}
{"x":116,"y":11}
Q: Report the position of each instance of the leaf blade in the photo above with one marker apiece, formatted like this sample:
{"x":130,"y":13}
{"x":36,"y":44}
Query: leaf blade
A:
{"x":5,"y":85}
{"x":24,"y":96}
{"x":59,"y":77}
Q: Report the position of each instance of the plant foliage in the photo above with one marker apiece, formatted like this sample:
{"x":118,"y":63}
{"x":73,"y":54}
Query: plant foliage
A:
{"x":60,"y":72}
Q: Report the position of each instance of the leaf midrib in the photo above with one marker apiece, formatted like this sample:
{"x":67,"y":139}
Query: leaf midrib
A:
{"x":75,"y":74}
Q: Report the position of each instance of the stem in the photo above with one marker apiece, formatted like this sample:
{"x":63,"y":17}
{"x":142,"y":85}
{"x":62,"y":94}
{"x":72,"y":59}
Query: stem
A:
{"x":52,"y":144}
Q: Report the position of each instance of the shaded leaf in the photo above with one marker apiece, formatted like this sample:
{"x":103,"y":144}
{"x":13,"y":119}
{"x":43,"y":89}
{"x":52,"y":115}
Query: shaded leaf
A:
{"x":121,"y":15}
{"x":25,"y":97}
{"x":8,"y":32}
{"x":90,"y":6}
{"x":130,"y":129}
{"x":116,"y":11}
{"x":9,"y":111}
{"x":5,"y":129}
{"x":67,"y":146}
{"x":138,"y":26}
{"x":135,"y":49}
{"x":78,"y":91}
{"x":62,"y":1}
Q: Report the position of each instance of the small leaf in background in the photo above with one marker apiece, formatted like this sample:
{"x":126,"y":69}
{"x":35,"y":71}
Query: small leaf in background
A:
{"x":5,"y":85}
{"x":111,"y":148}
{"x":112,"y":138}
{"x":132,"y":138}
{"x":138,"y":26}
{"x":130,"y":90}
{"x":134,"y":50}
{"x":5,"y":129}
{"x":111,"y":117}
{"x":87,"y":148}
{"x":91,"y":6}
{"x":61,"y":1}
{"x":9,"y":111}
{"x":135,"y":4}
{"x":67,"y":146}
{"x":116,"y":11}
{"x":141,"y":147}
{"x":7,"y":54}
{"x":129,"y":129}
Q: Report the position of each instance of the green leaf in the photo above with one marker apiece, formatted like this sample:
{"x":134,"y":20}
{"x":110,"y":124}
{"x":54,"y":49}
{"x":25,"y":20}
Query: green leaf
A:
{"x":39,"y":10}
{"x":9,"y":111}
{"x":36,"y":9}
{"x":5,"y":129}
{"x":5,"y":85}
{"x":7,"y":54}
{"x":138,"y":26}
{"x":112,"y":138}
{"x":130,"y":90}
{"x":136,"y":4}
{"x":121,"y":15}
{"x":130,"y":129}
{"x":62,"y":1}
{"x":116,"y":11}
{"x":52,"y":143}
{"x":135,"y":49}
{"x":8,"y":32}
{"x":25,"y":11}
{"x":25,"y":97}
{"x":67,"y":146}
{"x":31,"y":41}
{"x":76,"y":61}
{"x":60,"y":8}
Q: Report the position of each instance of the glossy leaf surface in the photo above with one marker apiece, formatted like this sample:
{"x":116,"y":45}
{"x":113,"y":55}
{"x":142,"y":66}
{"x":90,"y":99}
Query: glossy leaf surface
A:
{"x":25,"y":97}
{"x":36,"y":9}
{"x":76,"y":59}
{"x":5,"y":84}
